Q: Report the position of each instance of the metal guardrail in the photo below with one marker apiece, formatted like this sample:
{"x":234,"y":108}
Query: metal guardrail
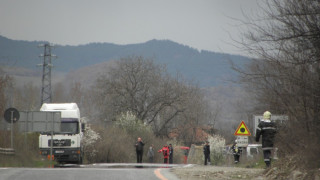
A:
{"x":7,"y":151}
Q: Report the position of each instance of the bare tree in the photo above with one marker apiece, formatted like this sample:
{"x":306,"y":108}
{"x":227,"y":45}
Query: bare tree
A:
{"x":139,"y":86}
{"x":27,"y":97}
{"x":199,"y":116}
{"x":5,"y":83}
{"x":76,"y":93}
{"x":285,"y":76}
{"x":59,"y":93}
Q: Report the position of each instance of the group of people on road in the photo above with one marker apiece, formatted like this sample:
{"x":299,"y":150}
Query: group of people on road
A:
{"x":167,"y":152}
{"x":266,"y":128}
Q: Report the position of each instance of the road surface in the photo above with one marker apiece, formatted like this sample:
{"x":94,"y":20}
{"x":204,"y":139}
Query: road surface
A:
{"x":85,"y":173}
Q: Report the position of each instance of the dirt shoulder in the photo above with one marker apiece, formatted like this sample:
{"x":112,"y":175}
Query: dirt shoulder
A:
{"x":217,"y":172}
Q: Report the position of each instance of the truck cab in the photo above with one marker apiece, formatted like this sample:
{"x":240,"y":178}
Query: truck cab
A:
{"x":66,"y":144}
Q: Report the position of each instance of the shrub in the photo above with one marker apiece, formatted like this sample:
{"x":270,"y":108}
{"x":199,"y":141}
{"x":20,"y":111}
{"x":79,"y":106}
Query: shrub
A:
{"x":217,"y":144}
{"x":116,"y":142}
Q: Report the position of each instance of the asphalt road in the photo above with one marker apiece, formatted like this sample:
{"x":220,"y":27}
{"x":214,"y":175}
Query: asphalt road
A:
{"x":85,"y":173}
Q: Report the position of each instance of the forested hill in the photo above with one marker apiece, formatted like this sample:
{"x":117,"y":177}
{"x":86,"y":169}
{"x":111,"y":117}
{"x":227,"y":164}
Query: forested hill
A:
{"x":208,"y":68}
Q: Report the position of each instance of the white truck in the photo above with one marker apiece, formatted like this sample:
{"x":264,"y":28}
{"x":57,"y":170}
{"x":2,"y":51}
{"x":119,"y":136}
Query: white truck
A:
{"x":67,"y":145}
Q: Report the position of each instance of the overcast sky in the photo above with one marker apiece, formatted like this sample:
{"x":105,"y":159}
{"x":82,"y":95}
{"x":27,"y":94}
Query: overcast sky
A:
{"x":201,"y":24}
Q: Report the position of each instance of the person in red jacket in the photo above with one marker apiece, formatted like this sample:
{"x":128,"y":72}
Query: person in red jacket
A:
{"x":165,"y":152}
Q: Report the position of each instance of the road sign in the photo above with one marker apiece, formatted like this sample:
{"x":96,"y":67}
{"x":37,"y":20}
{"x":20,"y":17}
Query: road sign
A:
{"x":39,"y":121}
{"x":11,"y":114}
{"x":242,"y":141}
{"x":281,"y":119}
{"x":242,"y":130}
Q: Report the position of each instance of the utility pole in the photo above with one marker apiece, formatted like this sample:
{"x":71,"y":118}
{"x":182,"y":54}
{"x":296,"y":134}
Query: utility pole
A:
{"x":46,"y":92}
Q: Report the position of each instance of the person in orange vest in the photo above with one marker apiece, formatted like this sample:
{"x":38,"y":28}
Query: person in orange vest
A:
{"x":165,"y":152}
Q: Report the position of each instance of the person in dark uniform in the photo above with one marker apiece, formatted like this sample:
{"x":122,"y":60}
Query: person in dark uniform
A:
{"x":170,"y":154}
{"x":236,"y":152}
{"x":206,"y":152}
{"x":139,"y":149}
{"x":267,"y":129}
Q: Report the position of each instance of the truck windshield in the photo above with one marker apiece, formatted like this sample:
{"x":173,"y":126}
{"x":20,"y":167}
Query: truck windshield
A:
{"x":70,"y":127}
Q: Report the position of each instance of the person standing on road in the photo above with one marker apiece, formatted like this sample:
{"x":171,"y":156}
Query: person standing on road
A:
{"x":236,"y":152}
{"x":206,"y":152}
{"x":165,"y":152}
{"x":267,"y":129}
{"x":150,"y":154}
{"x":170,"y":154}
{"x":139,"y":149}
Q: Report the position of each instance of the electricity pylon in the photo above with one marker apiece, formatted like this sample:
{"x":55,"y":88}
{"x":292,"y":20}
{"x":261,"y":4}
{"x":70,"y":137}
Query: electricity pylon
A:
{"x":46,"y":92}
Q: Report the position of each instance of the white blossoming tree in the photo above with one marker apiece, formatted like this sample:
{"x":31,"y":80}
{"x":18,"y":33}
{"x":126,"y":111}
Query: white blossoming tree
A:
{"x":131,"y":123}
{"x":90,"y":137}
{"x":217,"y":144}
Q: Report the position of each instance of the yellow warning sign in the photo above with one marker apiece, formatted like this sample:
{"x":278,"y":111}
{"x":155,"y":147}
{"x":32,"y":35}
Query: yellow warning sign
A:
{"x":242,"y":130}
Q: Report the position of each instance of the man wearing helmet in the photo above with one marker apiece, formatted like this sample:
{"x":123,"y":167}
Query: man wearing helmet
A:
{"x":267,"y":129}
{"x":236,"y":152}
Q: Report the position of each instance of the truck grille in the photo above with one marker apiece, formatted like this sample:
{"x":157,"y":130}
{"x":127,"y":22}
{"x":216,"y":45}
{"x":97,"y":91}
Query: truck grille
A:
{"x":60,"y":142}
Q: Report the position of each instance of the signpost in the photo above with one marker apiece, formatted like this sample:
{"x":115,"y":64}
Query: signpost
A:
{"x":242,"y":133}
{"x":11,"y":115}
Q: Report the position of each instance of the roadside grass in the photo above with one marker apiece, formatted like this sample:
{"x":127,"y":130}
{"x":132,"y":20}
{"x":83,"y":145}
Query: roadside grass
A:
{"x":256,"y":162}
{"x":26,"y":146}
{"x":24,"y":160}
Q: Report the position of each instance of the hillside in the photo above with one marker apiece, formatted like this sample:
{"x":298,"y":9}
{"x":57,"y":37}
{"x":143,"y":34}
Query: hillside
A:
{"x":207,"y":68}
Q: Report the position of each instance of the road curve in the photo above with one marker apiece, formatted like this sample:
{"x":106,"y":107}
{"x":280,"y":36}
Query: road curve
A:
{"x":84,"y":173}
